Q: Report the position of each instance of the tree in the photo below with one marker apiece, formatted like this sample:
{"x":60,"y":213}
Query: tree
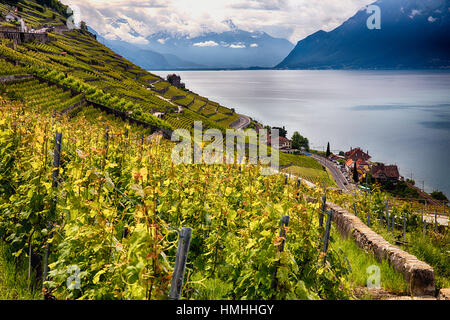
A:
{"x":83,"y":27}
{"x":355,"y":174}
{"x":175,"y":80}
{"x":439,"y":195}
{"x":328,"y":150}
{"x":298,"y":141}
{"x":283,"y":131}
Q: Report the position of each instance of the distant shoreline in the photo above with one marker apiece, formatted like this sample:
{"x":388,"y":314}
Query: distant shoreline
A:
{"x":300,"y":69}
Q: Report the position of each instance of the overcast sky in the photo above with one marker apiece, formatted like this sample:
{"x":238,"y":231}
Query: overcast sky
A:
{"x":290,"y":19}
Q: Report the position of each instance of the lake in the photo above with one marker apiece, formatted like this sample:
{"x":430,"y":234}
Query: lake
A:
{"x":400,"y":117}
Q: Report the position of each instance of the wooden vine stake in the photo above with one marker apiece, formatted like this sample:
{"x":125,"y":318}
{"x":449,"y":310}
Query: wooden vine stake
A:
{"x":55,"y":176}
{"x":326,"y":236}
{"x":435,"y":220}
{"x":354,"y":208}
{"x":284,"y":225}
{"x":423,"y":219}
{"x":56,"y":159}
{"x":324,"y":206}
{"x":180,"y":263}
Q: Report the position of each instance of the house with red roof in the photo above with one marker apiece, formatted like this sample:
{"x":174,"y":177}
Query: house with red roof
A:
{"x":357,"y":154}
{"x":283,"y":143}
{"x":383,"y":173}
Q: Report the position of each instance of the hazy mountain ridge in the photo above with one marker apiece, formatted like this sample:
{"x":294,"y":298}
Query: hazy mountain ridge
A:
{"x":413,"y":34}
{"x":230,"y":49}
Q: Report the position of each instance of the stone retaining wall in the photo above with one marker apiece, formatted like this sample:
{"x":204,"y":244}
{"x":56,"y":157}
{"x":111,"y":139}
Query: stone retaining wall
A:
{"x":14,"y":78}
{"x":419,"y":274}
{"x":21,"y":37}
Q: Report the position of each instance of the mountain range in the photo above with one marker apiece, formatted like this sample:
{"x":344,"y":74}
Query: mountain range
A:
{"x":230,"y":49}
{"x":414,"y":34}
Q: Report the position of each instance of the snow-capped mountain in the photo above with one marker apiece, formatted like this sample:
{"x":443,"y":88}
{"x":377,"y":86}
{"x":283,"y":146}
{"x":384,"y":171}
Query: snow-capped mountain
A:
{"x":230,"y":49}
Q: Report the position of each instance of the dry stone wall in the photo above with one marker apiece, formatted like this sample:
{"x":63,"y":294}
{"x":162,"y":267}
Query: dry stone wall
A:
{"x":419,"y":274}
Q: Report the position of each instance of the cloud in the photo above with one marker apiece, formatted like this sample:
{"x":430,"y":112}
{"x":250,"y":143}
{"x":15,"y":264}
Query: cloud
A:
{"x":206,"y":44}
{"x":260,"y":5}
{"x":414,"y":13}
{"x":237,"y":46}
{"x":290,"y":19}
{"x":254,"y":45}
{"x":431,"y":19}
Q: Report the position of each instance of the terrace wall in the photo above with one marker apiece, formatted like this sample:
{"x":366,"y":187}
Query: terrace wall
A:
{"x":14,"y":78}
{"x":21,"y":37}
{"x":419,"y":274}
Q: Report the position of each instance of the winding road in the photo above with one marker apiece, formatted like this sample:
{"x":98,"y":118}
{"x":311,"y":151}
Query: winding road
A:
{"x":340,"y":179}
{"x":242,"y":123}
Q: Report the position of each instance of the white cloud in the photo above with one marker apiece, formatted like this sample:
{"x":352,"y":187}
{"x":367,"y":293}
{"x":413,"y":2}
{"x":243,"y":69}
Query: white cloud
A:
{"x":254,"y":45}
{"x":431,"y":19}
{"x":290,"y":19}
{"x":237,"y":46}
{"x":414,"y":13}
{"x":206,"y":44}
{"x":162,"y":41}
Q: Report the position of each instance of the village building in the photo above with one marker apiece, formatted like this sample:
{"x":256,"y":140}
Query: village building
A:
{"x":284,"y":144}
{"x":357,"y":154}
{"x":383,"y":173}
{"x":363,"y":167}
{"x":159,"y":115}
{"x":12,"y":17}
{"x":336,"y":157}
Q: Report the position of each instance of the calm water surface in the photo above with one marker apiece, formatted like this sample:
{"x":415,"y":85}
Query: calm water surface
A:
{"x":400,"y":117}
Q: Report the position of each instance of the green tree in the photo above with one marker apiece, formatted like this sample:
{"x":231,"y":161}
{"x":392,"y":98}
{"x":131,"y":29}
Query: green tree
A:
{"x":298,"y":141}
{"x":83,"y":26}
{"x":282,"y":131}
{"x":355,"y":174}
{"x":328,"y":150}
{"x":439,"y":195}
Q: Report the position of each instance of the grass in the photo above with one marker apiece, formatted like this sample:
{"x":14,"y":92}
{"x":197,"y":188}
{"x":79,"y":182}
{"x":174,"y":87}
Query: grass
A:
{"x":359,"y":260}
{"x":287,"y":159}
{"x":14,"y":278}
{"x":317,"y":176}
{"x":431,"y":248}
